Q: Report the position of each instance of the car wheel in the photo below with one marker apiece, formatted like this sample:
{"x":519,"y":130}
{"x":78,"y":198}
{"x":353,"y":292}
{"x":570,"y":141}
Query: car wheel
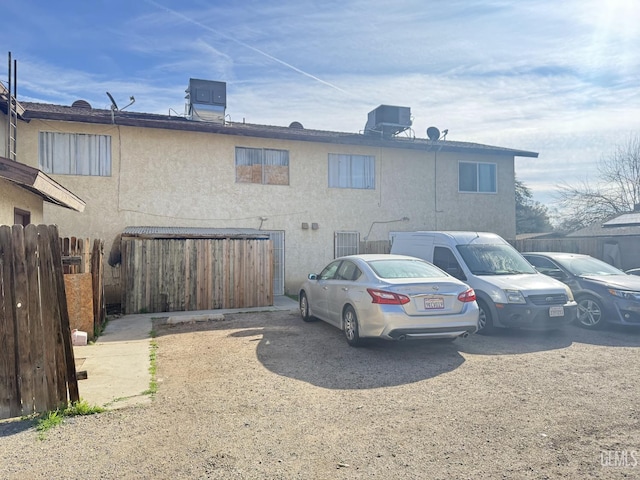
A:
{"x":485,"y":320}
{"x":589,"y":312}
{"x":304,"y":308}
{"x":350,"y":327}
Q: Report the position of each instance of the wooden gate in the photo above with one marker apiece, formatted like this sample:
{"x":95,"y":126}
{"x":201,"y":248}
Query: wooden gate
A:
{"x":184,"y":274}
{"x":37,"y":367}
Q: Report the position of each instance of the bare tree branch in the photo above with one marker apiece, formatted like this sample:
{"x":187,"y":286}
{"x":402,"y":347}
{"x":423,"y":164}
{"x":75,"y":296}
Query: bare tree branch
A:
{"x":617,"y":189}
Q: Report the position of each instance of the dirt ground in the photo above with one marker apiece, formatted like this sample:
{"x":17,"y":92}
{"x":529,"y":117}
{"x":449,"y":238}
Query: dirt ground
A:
{"x":267,"y":396}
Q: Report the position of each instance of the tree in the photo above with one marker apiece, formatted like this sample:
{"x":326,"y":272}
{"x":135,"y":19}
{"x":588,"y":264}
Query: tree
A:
{"x":531,"y":216}
{"x":616,"y":191}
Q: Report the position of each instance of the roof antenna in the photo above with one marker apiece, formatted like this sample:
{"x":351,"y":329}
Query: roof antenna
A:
{"x":114,"y":106}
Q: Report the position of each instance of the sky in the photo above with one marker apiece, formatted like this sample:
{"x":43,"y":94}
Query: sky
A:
{"x":555,"y":77}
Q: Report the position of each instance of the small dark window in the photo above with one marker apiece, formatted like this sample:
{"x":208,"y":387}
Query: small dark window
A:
{"x":348,"y":271}
{"x":21,"y":217}
{"x":329,"y":271}
{"x":443,"y":258}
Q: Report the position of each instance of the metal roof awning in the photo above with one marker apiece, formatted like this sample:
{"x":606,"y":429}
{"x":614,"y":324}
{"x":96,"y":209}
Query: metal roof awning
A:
{"x":191,"y":232}
{"x":39,"y":183}
{"x":624,"y":220}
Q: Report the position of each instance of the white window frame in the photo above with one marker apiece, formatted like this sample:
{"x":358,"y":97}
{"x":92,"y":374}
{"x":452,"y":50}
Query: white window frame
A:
{"x":352,"y":171}
{"x":81,"y":154}
{"x":346,"y":243}
{"x":478,"y":175}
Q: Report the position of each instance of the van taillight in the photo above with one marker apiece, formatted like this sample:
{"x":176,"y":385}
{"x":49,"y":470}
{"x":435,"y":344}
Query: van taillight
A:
{"x":468,"y":296}
{"x":388,"y":298}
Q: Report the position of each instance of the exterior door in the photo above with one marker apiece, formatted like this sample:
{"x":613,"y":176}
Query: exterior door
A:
{"x":277,"y":239}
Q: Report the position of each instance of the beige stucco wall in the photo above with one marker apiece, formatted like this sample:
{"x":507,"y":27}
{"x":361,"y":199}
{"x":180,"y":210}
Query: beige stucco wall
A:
{"x":175,"y":178}
{"x":12,"y":197}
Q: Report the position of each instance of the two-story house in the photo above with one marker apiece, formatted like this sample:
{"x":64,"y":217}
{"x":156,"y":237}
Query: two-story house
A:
{"x":318,"y":194}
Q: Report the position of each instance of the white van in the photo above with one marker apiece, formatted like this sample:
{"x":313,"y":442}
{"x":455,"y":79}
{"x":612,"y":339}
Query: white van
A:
{"x":509,"y":291}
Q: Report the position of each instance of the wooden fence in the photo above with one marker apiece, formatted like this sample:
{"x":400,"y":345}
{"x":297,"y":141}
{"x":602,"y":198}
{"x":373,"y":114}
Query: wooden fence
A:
{"x":622,"y":251}
{"x":37,"y":367}
{"x":184,"y":274}
{"x":377,"y":246}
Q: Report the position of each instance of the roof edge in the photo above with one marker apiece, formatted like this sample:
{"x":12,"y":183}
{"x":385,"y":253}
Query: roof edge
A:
{"x":39,"y":183}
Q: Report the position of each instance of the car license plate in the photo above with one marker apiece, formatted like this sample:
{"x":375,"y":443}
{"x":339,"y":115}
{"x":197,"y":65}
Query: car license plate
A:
{"x":556,"y":311}
{"x":433,"y":303}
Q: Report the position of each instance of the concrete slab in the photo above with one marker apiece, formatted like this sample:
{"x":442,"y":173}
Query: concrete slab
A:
{"x":117,"y":364}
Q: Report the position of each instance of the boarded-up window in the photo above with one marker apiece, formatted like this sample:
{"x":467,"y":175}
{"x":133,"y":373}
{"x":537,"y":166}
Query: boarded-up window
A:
{"x":75,"y":154}
{"x":262,"y":165}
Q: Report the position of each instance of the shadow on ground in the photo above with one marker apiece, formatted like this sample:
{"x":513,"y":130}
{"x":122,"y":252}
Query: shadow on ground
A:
{"x":317,"y":353}
{"x":14,"y":426}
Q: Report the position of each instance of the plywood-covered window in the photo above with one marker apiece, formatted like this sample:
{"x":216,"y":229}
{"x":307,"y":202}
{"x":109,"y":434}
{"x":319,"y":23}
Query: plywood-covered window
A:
{"x":262,"y":165}
{"x":75,"y":154}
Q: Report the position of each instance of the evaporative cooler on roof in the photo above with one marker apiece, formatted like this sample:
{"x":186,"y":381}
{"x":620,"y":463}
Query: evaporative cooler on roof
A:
{"x":388,"y":120}
{"x":206,"y":100}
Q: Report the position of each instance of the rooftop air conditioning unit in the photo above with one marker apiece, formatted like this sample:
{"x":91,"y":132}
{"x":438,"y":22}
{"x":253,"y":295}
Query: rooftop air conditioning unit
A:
{"x":388,"y":120}
{"x":206,"y":100}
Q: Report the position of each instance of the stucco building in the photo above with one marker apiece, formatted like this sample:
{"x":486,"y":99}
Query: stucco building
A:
{"x":317,"y":193}
{"x":24,"y":189}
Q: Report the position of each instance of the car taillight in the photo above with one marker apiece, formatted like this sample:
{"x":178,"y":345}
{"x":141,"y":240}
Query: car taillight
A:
{"x":387,"y":298}
{"x":468,"y":296}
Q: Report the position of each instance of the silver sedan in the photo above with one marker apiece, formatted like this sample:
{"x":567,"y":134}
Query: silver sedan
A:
{"x":395,"y":297}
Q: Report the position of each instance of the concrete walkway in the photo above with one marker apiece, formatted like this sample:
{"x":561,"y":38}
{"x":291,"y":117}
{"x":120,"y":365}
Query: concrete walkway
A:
{"x":117,"y":364}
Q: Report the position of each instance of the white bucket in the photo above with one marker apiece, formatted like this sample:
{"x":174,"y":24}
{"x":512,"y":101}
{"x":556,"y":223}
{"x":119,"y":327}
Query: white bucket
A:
{"x":78,"y":338}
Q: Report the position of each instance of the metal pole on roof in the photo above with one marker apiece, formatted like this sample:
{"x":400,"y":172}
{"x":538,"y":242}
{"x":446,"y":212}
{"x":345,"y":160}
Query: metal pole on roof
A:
{"x":8,"y":146}
{"x":12,"y":116}
{"x":14,"y":109}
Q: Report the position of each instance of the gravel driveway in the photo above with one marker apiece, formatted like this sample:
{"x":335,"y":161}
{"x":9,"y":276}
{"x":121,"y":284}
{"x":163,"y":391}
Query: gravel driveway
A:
{"x":267,"y":396}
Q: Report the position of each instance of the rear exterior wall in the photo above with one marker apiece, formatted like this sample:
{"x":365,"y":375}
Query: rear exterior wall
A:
{"x":188,"y":179}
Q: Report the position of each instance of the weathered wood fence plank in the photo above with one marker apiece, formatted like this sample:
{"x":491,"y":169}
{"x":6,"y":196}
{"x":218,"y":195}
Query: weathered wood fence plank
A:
{"x":37,"y":368}
{"x":9,"y":393}
{"x":169,"y":274}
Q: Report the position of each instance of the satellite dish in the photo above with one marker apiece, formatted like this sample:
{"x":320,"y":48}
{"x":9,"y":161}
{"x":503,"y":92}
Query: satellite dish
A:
{"x":433,"y":133}
{"x":114,"y":105}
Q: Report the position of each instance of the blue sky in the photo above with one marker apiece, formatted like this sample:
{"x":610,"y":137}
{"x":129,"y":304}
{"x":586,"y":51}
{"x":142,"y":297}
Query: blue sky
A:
{"x":558,"y":78}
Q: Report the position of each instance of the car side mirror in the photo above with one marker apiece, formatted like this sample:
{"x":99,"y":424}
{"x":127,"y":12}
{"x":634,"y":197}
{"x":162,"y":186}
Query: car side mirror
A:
{"x":557,"y":274}
{"x":456,"y":272}
{"x":312,"y":276}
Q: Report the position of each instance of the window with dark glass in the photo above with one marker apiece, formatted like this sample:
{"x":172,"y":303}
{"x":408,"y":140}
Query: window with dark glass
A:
{"x":477,"y":177}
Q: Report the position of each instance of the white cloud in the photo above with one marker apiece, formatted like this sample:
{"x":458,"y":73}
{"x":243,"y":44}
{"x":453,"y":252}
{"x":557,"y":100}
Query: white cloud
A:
{"x":559,"y":78}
